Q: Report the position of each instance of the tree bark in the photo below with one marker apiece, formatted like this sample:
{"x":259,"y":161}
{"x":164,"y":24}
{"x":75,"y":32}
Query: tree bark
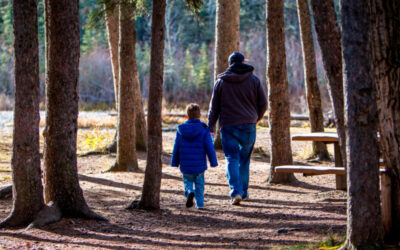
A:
{"x":310,"y":76}
{"x":126,"y":136}
{"x":279,"y":111}
{"x":62,"y":50}
{"x":112,"y":17}
{"x":226,"y":40}
{"x":26,"y":173}
{"x":329,"y":39}
{"x":152,"y":181}
{"x":361,"y":115}
{"x":386,"y":41}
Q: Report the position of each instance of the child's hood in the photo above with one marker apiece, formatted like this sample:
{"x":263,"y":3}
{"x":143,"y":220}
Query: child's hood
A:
{"x":192,"y":129}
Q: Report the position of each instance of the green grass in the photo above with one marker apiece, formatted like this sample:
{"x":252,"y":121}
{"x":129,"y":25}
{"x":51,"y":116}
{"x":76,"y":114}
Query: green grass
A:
{"x":331,"y":241}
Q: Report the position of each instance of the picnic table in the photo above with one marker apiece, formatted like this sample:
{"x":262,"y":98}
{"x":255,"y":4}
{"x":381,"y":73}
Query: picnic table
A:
{"x":327,"y":137}
{"x":339,"y":171}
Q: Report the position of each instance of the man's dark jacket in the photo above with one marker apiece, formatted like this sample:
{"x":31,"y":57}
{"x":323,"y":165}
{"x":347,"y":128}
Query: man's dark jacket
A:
{"x":238,"y":97}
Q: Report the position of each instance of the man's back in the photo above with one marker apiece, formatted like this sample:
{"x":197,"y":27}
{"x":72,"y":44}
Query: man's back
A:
{"x":238,"y":97}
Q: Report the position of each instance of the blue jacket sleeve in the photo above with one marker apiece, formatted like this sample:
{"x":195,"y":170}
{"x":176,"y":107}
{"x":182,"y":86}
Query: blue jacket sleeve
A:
{"x":215,"y":108}
{"x":209,"y":145}
{"x":175,"y":151}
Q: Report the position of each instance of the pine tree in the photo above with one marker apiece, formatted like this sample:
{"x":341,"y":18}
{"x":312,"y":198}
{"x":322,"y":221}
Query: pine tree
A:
{"x":150,"y":198}
{"x":361,"y":130}
{"x":62,"y":70}
{"x":126,"y":136}
{"x":279,"y":110}
{"x":27,"y":184}
{"x":310,"y":78}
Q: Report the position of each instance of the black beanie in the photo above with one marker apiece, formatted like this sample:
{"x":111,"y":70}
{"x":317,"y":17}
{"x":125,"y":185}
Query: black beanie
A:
{"x":236,"y":57}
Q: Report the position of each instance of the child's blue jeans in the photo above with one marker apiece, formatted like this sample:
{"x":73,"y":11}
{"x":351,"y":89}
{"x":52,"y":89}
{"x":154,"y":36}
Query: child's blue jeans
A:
{"x":198,"y":190}
{"x":237,"y":143}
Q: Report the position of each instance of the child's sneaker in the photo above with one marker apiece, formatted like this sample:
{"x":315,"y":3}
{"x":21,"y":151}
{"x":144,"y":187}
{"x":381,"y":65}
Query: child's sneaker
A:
{"x":236,"y":199}
{"x":189,"y":200}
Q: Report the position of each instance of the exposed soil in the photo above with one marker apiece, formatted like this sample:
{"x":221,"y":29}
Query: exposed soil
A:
{"x":276,"y":216}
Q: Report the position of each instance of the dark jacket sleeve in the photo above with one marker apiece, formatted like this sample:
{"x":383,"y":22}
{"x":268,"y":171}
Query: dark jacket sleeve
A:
{"x":175,"y":151}
{"x":215,"y":108}
{"x":209,"y":145}
{"x":262,"y":101}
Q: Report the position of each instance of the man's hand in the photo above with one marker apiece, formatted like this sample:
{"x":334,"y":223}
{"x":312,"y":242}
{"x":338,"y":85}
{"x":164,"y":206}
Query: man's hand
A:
{"x":213,"y":135}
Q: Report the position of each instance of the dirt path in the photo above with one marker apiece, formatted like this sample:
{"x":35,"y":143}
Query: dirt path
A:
{"x":276,"y":216}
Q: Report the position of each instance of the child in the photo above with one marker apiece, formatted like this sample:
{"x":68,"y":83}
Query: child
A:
{"x":193,"y":142}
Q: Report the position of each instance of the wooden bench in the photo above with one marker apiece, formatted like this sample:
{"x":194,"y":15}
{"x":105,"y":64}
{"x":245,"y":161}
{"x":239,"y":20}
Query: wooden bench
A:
{"x":320,"y":170}
{"x":314,"y":170}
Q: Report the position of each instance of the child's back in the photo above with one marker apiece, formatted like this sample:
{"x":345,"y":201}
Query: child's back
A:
{"x":192,"y":144}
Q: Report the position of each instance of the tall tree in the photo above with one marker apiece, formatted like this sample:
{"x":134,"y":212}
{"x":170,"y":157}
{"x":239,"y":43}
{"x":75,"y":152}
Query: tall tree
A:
{"x":329,"y":39}
{"x":386,"y":37}
{"x":226,"y":39}
{"x":310,"y":76}
{"x":279,"y":111}
{"x":62,"y":71}
{"x":126,"y":146}
{"x":361,"y":116}
{"x":112,"y":24}
{"x":150,"y":198}
{"x":27,"y":182}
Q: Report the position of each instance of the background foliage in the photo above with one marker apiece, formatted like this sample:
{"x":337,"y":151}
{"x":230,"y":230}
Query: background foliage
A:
{"x":189,"y":49}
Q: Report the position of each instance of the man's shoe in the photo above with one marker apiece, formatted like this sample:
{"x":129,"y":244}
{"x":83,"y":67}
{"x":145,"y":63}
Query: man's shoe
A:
{"x":189,"y":200}
{"x":245,"y":198}
{"x":236,"y":199}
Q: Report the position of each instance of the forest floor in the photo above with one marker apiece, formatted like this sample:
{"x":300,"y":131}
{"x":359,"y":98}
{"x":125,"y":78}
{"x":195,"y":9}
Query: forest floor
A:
{"x":306,"y":215}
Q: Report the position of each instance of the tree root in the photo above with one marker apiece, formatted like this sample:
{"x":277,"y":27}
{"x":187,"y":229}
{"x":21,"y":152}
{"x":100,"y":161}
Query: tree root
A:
{"x":111,"y":148}
{"x":137,"y":204}
{"x":49,"y":214}
{"x":133,"y":205}
{"x":14,"y":220}
{"x":52,"y":213}
{"x":87,"y":213}
{"x":117,"y":168}
{"x":114,"y":168}
{"x":6,"y":192}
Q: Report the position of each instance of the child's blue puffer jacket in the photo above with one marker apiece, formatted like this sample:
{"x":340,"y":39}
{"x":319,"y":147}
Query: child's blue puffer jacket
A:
{"x":192,"y":143}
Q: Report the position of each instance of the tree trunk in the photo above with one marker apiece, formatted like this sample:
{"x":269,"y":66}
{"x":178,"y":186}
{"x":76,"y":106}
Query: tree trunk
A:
{"x":329,"y":39}
{"x":126,"y":137}
{"x":279,"y":111}
{"x":310,"y":76}
{"x":152,"y":182}
{"x":386,"y":36}
{"x":112,"y":17}
{"x":62,"y":50}
{"x":361,"y":115}
{"x":226,"y":40}
{"x":27,"y":182}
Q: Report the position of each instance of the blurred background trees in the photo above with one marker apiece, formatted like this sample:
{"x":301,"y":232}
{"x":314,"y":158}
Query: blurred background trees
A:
{"x":189,"y":48}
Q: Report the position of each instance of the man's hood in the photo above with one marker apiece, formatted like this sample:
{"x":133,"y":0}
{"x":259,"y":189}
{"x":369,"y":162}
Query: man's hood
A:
{"x":191,"y":129}
{"x":237,"y":73}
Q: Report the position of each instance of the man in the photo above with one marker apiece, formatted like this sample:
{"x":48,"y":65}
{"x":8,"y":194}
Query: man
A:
{"x":239,"y":101}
